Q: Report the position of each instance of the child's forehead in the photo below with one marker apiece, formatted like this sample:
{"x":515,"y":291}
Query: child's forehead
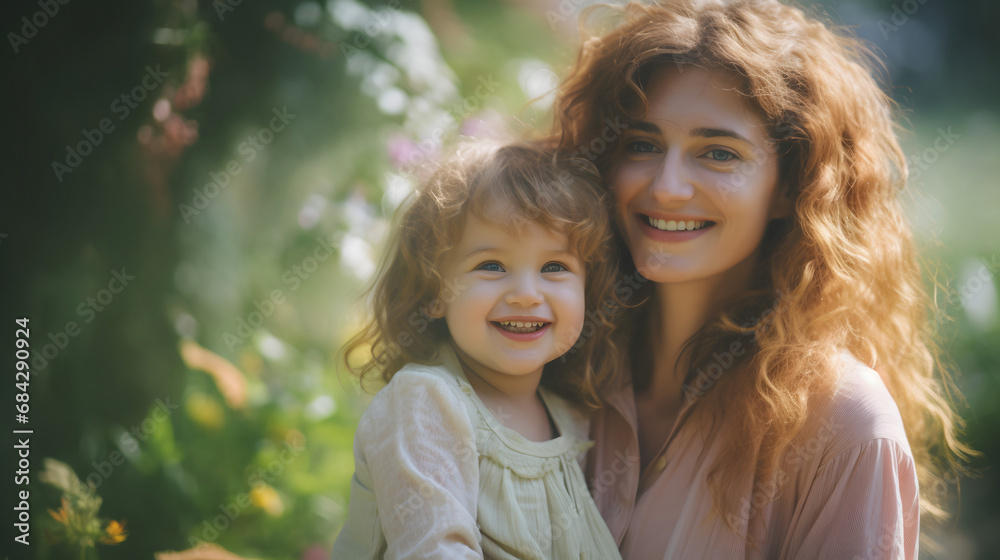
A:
{"x":511,"y":231}
{"x":510,"y":216}
{"x":514,"y":224}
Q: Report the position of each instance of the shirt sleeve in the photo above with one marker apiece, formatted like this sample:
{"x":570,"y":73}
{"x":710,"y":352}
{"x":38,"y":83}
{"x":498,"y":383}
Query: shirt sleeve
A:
{"x":419,"y":445}
{"x":863,"y":503}
{"x":361,"y":536}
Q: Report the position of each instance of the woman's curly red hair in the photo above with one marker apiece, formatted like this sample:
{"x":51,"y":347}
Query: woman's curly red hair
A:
{"x":843,"y":270}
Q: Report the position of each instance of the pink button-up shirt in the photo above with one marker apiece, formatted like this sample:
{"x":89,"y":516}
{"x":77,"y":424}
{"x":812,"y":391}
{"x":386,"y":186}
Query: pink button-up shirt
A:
{"x":849,"y":485}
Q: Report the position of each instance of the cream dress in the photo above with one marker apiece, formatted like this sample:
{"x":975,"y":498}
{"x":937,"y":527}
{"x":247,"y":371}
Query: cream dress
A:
{"x":438,"y":476}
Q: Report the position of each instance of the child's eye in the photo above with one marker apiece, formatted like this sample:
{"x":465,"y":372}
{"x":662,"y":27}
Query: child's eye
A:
{"x":491,"y":267}
{"x":554,"y":267}
{"x":642,"y":147}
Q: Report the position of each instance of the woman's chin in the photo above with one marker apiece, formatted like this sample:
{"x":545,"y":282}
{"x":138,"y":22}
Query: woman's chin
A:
{"x":664,"y":268}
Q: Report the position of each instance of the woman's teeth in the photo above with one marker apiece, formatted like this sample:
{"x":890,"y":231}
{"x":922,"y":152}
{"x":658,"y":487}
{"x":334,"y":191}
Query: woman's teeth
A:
{"x":520,"y":326}
{"x":674,"y":225}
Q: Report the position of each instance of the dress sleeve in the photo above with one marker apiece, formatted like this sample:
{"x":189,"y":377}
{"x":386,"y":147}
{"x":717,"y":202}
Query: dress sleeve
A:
{"x":419,"y":446}
{"x":862,"y":504}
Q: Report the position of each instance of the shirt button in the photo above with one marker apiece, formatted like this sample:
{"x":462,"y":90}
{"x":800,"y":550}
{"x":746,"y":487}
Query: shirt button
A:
{"x":661,"y":463}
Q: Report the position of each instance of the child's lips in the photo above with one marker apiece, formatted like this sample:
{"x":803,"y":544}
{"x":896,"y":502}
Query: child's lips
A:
{"x":532,"y":330}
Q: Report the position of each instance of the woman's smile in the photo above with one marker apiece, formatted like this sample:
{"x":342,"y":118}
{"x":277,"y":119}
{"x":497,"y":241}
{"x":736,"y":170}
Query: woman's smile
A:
{"x":695,"y":181}
{"x":673,"y":230}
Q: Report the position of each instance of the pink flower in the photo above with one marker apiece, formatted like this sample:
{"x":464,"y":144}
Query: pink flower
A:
{"x":316,"y":552}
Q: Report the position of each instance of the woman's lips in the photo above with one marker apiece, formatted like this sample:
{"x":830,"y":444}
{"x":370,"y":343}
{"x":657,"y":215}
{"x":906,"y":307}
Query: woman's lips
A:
{"x":665,"y":236}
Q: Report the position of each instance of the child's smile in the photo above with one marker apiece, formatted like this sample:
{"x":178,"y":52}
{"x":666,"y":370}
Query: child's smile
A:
{"x":522,"y":328}
{"x":519,"y":302}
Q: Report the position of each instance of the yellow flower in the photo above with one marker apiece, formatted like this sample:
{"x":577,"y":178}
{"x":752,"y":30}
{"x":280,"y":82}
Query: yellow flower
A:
{"x":267,"y":498}
{"x":114,"y":533}
{"x":205,"y":410}
{"x":62,"y":516}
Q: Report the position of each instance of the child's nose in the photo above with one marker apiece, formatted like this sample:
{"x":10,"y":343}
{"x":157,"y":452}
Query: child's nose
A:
{"x":525,"y":291}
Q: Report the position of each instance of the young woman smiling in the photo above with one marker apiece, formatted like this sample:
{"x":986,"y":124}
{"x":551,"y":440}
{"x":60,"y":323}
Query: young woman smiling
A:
{"x":783,"y":396}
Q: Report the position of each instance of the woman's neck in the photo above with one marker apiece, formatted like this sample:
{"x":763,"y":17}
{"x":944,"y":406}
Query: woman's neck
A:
{"x":682,"y":309}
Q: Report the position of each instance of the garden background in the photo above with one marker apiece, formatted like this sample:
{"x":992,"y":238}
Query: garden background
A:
{"x":196,"y":192}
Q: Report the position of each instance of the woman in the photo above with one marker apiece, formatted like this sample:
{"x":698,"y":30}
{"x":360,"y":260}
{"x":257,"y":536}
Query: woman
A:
{"x":783,"y":393}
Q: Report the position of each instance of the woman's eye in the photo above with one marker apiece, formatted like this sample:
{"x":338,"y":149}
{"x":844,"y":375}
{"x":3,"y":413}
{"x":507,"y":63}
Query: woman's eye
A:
{"x":642,"y":147}
{"x":554,"y":267}
{"x":490,"y":267}
{"x":721,"y":155}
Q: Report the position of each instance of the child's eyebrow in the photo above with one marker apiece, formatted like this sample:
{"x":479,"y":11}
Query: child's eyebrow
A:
{"x":478,"y":250}
{"x":565,"y":252}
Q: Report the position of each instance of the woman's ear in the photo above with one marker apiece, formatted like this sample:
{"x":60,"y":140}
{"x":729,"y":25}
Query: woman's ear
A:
{"x":435,"y":309}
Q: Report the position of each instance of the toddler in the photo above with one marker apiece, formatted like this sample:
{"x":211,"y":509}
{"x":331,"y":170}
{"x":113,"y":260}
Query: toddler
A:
{"x":480,"y":327}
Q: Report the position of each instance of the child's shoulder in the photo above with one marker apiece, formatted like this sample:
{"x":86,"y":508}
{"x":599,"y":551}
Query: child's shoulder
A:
{"x":568,"y":415}
{"x":421,"y":412}
{"x":433,"y":376}
{"x":416,"y":393}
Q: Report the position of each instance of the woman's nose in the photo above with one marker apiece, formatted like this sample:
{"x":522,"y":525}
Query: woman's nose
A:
{"x":671,"y":183}
{"x":525,"y":291}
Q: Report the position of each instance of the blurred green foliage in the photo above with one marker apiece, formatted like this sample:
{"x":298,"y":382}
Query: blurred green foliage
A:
{"x":204,"y":400}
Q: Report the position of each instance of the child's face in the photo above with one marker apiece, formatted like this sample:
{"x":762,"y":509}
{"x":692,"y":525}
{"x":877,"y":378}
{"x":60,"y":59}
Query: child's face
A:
{"x":696,"y":182}
{"x":497,"y":277}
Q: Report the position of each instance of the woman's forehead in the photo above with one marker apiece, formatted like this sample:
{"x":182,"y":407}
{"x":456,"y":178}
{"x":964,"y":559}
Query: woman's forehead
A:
{"x":694,"y":98}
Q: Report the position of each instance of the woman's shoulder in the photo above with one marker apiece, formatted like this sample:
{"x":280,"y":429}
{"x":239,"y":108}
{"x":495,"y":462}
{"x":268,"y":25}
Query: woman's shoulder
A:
{"x":858,"y":411}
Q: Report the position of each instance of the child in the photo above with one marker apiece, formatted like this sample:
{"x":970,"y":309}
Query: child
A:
{"x":478,"y":326}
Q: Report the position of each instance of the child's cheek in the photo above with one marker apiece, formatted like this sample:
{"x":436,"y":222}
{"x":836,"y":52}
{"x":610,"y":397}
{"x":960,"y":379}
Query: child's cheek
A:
{"x":576,"y":311}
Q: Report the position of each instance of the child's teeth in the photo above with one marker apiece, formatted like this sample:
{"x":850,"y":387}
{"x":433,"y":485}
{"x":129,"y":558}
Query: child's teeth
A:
{"x":528,"y":326}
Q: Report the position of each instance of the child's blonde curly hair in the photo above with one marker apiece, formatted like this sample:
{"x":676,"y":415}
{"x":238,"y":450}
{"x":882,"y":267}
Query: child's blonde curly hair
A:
{"x":560,"y":193}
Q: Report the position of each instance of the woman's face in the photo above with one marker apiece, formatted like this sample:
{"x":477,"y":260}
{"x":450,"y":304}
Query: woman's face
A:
{"x":695,"y":180}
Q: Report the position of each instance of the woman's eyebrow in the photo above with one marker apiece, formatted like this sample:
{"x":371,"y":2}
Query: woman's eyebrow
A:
{"x":704,"y":132}
{"x":644,"y":126}
{"x":719,"y":132}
